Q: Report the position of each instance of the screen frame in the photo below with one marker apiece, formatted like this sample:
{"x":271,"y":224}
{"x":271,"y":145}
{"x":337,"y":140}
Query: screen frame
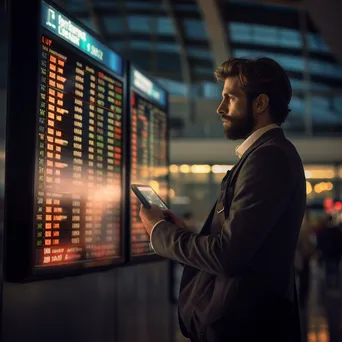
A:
{"x":21,"y":153}
{"x":136,"y":189}
{"x":149,"y":257}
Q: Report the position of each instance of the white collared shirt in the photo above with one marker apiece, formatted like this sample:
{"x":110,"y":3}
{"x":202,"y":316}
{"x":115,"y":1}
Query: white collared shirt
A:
{"x":241,"y":149}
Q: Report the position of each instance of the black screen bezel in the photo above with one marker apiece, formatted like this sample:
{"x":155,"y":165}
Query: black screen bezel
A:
{"x":148,"y":257}
{"x":21,"y":148}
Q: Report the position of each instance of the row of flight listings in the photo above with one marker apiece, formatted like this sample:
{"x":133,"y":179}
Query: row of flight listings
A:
{"x":99,"y":125}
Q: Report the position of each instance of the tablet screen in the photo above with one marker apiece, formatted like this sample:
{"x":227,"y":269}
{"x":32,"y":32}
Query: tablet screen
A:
{"x":151,"y":196}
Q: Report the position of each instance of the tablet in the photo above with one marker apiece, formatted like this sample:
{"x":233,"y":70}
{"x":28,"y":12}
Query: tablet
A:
{"x":147,"y":196}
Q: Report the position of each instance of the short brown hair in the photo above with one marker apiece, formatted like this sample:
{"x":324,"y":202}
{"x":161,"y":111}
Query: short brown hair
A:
{"x":261,"y":76}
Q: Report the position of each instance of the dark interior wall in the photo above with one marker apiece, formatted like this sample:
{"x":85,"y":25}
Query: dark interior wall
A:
{"x":327,"y":17}
{"x":124,"y":304}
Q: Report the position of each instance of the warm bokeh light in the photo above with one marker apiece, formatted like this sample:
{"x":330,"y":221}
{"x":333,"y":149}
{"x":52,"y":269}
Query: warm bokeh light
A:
{"x":200,"y":168}
{"x":221,"y":168}
{"x":172,"y":193}
{"x":323,"y":186}
{"x":174,"y":168}
{"x":319,"y":173}
{"x":308,"y":188}
{"x":155,"y":186}
{"x":185,"y":168}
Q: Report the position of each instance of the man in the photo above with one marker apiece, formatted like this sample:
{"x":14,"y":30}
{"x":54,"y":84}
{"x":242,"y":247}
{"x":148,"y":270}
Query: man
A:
{"x":238,"y":279}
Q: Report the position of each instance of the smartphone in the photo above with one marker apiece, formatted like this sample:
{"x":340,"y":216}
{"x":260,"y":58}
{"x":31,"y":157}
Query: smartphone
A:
{"x":147,"y":196}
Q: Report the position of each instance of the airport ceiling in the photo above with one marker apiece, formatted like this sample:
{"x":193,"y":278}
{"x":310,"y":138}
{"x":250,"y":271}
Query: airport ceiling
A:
{"x":185,"y":40}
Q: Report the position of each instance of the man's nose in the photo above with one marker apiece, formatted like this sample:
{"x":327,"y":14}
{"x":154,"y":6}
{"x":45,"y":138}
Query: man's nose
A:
{"x":220,"y":111}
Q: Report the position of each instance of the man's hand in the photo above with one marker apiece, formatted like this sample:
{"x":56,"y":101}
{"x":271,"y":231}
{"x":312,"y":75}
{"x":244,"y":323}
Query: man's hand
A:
{"x":150,"y":216}
{"x":174,"y":218}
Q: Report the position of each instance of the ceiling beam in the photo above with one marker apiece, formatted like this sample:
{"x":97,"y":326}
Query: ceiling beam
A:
{"x":180,"y":39}
{"x":216,"y":28}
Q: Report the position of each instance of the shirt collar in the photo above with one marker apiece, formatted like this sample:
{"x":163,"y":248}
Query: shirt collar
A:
{"x":241,"y":149}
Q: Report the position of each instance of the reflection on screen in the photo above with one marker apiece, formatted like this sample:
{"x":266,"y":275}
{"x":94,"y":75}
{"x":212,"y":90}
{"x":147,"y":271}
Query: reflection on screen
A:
{"x":78,"y":207}
{"x":151,"y":196}
{"x":149,"y":161}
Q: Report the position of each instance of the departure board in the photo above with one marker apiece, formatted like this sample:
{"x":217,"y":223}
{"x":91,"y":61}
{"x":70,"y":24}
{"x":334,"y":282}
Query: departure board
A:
{"x":78,"y":210}
{"x":149,"y":150}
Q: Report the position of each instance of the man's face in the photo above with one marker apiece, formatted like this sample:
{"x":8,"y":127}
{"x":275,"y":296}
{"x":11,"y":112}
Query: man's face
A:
{"x":235,"y":111}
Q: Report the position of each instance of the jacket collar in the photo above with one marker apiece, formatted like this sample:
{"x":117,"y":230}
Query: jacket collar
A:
{"x":270,"y":134}
{"x":241,"y":149}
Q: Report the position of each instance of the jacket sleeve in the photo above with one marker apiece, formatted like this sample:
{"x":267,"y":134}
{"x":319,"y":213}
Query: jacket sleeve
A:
{"x":262,"y":192}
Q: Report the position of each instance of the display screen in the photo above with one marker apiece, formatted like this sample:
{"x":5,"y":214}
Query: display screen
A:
{"x":151,"y":196}
{"x":149,"y":150}
{"x":79,"y":147}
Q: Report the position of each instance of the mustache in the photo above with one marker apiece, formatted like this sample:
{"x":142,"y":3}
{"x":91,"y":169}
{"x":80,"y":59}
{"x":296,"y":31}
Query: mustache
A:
{"x":226,"y":118}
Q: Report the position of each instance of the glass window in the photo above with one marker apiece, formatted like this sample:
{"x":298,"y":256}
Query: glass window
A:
{"x":211,"y":90}
{"x":296,"y":84}
{"x":139,"y":4}
{"x":186,"y":7}
{"x":337,"y":104}
{"x":168,"y":65}
{"x":89,"y":23}
{"x":114,"y":24}
{"x":174,"y":87}
{"x":289,"y":38}
{"x":165,"y":26}
{"x":168,"y":47}
{"x":199,"y":53}
{"x":326,"y":69}
{"x":297,"y":106}
{"x":288,"y":62}
{"x":75,"y":6}
{"x":323,"y":112}
{"x":195,"y":29}
{"x":240,"y":32}
{"x":139,"y":23}
{"x":118,"y":46}
{"x":264,"y":35}
{"x":316,"y":43}
{"x":140,"y":44}
{"x":203,"y":70}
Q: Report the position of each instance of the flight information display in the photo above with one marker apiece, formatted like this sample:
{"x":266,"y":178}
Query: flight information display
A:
{"x":149,"y":150}
{"x":78,"y":214}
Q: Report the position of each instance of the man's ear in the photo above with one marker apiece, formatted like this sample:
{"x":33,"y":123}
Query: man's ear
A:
{"x":261,"y":103}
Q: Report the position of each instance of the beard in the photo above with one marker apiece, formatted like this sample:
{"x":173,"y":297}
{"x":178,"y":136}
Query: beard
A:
{"x":240,"y":128}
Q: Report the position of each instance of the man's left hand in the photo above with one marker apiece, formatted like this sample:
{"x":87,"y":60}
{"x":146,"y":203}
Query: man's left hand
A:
{"x":150,"y":216}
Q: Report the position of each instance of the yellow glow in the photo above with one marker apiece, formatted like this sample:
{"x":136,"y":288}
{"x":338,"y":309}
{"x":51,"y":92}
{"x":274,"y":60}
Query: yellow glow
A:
{"x":312,"y":336}
{"x":320,"y":172}
{"x":323,"y":336}
{"x":174,"y":168}
{"x":323,"y":186}
{"x":200,"y":168}
{"x":221,"y":168}
{"x":154,"y":186}
{"x":308,"y":188}
{"x":172,"y":193}
{"x":184,"y":168}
